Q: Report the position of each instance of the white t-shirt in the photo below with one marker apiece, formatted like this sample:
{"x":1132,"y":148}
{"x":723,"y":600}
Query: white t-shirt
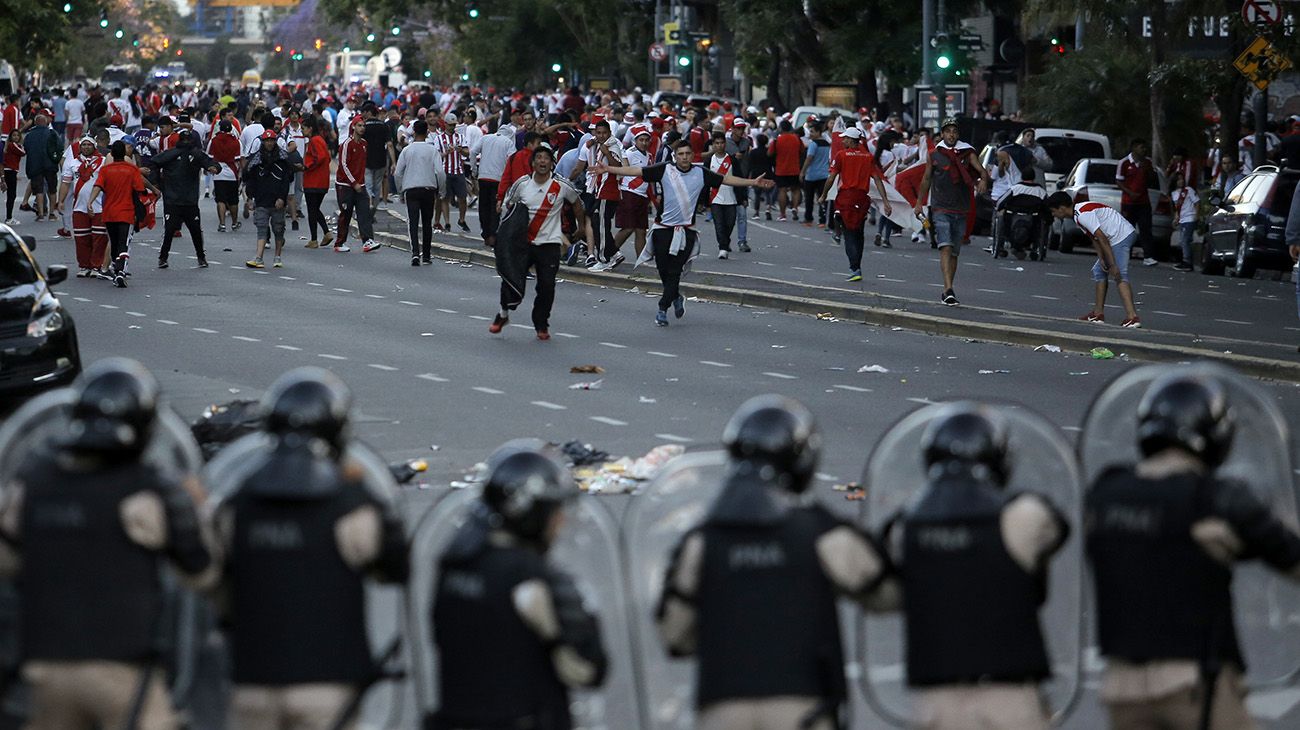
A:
{"x":75,"y":110}
{"x":248,"y":139}
{"x":590,"y":156}
{"x":634,"y":157}
{"x":726,"y":194}
{"x":1186,"y":199}
{"x":1094,"y":217}
{"x":72,"y":175}
{"x":532,"y":195}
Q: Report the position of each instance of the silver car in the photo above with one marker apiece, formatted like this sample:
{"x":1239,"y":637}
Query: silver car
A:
{"x":1093,"y":179}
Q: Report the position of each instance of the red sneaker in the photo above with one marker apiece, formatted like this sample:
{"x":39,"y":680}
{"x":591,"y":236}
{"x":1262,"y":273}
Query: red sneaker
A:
{"x":543,"y":335}
{"x":1093,"y":317}
{"x":498,"y":322}
{"x":64,"y":233}
{"x":1132,"y":323}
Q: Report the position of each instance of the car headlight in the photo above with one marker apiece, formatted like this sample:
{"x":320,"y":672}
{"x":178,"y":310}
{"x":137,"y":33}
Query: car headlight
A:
{"x":46,"y":324}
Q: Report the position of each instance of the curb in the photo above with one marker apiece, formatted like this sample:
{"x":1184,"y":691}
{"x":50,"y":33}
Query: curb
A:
{"x":1259,"y":367}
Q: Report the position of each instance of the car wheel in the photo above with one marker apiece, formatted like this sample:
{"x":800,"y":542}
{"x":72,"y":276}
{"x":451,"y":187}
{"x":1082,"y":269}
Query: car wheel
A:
{"x":1243,"y":267}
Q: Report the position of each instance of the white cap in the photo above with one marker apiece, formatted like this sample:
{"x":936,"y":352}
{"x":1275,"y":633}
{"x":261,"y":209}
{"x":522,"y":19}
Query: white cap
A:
{"x":852,"y":133}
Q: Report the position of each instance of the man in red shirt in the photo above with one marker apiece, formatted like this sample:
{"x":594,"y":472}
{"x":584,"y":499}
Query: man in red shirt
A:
{"x":119,"y":182}
{"x":854,"y":167}
{"x":788,"y":152}
{"x":519,"y":165}
{"x":350,"y":186}
{"x":1134,"y":175}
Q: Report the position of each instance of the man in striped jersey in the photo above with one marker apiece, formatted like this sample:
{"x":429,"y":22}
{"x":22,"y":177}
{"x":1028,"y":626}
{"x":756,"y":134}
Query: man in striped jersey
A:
{"x":451,"y":143}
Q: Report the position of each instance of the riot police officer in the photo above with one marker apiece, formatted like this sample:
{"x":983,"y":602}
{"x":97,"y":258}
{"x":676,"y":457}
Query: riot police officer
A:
{"x":751,"y":592}
{"x":300,"y":532}
{"x":1162,"y":537}
{"x":510,"y":629}
{"x":88,"y":524}
{"x":972,"y":562}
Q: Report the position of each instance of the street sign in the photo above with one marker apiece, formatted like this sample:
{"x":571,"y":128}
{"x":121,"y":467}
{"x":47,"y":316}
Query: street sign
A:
{"x":971,"y":41}
{"x":1261,"y":12}
{"x":672,"y":34}
{"x":658,"y":52}
{"x":1261,"y":62}
{"x":927,"y":101}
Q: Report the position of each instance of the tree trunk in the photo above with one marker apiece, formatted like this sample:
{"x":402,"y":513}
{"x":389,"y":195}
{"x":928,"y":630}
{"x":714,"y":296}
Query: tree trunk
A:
{"x":868,"y":92}
{"x":1159,"y":48}
{"x":774,"y":79}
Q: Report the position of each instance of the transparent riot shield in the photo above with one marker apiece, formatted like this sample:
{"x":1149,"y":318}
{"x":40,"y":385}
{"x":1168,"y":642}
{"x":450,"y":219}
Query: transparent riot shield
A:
{"x":1261,"y":458}
{"x":34,"y":431}
{"x":383,"y":703}
{"x":673,"y":503}
{"x":587,"y":549}
{"x":1041,"y":461}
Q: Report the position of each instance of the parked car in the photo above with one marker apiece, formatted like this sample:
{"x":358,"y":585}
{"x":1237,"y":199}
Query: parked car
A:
{"x":1065,"y":147}
{"x":801,"y":114}
{"x":1094,"y":180}
{"x":1246,"y":231}
{"x":38,"y":339}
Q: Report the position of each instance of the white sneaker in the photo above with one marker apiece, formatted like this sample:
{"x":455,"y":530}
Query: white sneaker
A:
{"x":602,"y":266}
{"x":618,"y":259}
{"x":370,"y":246}
{"x":1149,"y":261}
{"x":11,"y":222}
{"x":722,"y":254}
{"x":342,"y":248}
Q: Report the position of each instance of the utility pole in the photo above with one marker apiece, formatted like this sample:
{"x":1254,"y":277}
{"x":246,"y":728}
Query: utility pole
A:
{"x":927,"y":33}
{"x":940,"y":91}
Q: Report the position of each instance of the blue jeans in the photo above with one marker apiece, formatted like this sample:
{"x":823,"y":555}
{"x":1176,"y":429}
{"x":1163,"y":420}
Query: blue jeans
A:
{"x":1295,"y":276}
{"x":742,"y":224}
{"x":949,"y":229}
{"x":1120,"y":251}
{"x":1186,"y":231}
{"x":374,"y":182}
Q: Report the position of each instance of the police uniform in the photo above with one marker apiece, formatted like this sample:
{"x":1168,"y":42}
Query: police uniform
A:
{"x":511,"y":631}
{"x":765,"y":561}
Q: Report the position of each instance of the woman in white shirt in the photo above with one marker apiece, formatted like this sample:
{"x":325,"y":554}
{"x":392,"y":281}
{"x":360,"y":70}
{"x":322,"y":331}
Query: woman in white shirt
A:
{"x":1186,"y":202}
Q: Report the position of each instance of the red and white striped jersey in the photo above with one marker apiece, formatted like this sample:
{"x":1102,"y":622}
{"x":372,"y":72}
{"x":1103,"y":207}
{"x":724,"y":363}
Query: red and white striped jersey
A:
{"x":449,"y":145}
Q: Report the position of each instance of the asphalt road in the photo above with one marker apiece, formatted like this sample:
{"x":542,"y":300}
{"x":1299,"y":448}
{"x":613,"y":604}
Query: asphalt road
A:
{"x":431,"y":382}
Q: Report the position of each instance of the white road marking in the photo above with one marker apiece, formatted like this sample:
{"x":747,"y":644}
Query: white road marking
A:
{"x":242,"y":338}
{"x":715,"y":364}
{"x":137,"y":314}
{"x":447,"y":311}
{"x":1157,"y":286}
{"x":673,"y":437}
{"x":608,"y":421}
{"x":922,"y":401}
{"x":344,"y":291}
{"x":566,"y":335}
{"x":1044,"y":296}
{"x":895,"y":281}
{"x":1061,"y":276}
{"x":83,"y":299}
{"x":489,"y":391}
{"x":165,"y":321}
{"x":330,"y":357}
{"x":312,"y":283}
{"x":764,"y":263}
{"x":522,"y":326}
{"x":1215,"y":293}
{"x":205,"y":330}
{"x":432,"y":377}
{"x":614,"y":345}
{"x":548,"y":404}
{"x":109,"y":306}
{"x":385,"y":368}
{"x":826,"y":477}
{"x":853,"y":388}
{"x":659,"y":354}
{"x":1170,"y":314}
{"x":1233,"y":321}
{"x":991,"y":291}
{"x":1071,"y":428}
{"x":375,"y":296}
{"x":801,"y":268}
{"x":290,"y":348}
{"x":410,"y":304}
{"x":288,"y":278}
{"x":480,"y":317}
{"x":782,"y":376}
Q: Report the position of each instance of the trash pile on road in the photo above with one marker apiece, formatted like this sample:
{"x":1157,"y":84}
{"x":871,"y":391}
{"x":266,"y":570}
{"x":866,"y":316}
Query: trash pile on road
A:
{"x":595,"y":471}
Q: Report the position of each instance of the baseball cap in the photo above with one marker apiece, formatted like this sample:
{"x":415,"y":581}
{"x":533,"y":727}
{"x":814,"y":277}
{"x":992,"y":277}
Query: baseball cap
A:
{"x":948,"y":122}
{"x":852,"y":133}
{"x":268,"y":134}
{"x":639,"y":129}
{"x":740,"y":123}
{"x":862,"y":110}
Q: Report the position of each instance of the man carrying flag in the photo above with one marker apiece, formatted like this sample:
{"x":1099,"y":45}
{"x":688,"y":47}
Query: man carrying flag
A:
{"x":854,"y":168}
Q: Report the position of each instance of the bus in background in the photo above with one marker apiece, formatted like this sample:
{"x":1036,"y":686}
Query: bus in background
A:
{"x":348,"y":67}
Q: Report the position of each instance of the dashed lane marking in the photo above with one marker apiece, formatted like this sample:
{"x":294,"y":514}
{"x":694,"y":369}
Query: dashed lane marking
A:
{"x":489,"y":391}
{"x":1234,"y":321}
{"x":1061,"y":276}
{"x":922,"y":401}
{"x":205,"y":330}
{"x":549,"y":405}
{"x":109,"y":306}
{"x":410,"y":304}
{"x":991,"y":291}
{"x":614,"y":345}
{"x":608,"y":421}
{"x":715,"y":364}
{"x":330,"y":357}
{"x":673,"y":437}
{"x":312,"y":283}
{"x":83,"y":299}
{"x":566,"y":335}
{"x":447,"y":311}
{"x":1044,"y":296}
{"x":290,"y":348}
{"x":288,"y":278}
{"x":1170,"y":314}
{"x":165,"y":321}
{"x":782,"y":376}
{"x":660,"y":354}
{"x":479,"y":317}
{"x":343,"y":291}
{"x":432,"y":377}
{"x":375,"y":296}
{"x":242,"y":338}
{"x":136,"y":314}
{"x":853,"y":388}
{"x":385,"y":368}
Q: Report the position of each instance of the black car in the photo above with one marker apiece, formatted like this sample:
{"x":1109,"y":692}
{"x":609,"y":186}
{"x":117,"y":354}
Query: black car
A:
{"x":38,"y":340}
{"x":1246,"y":232}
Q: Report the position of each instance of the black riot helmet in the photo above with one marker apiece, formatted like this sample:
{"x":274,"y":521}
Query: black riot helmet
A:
{"x":115,"y":408}
{"x":967,"y":438}
{"x":778,"y":431}
{"x":1187,"y":412}
{"x":525,"y":486}
{"x":307,"y":403}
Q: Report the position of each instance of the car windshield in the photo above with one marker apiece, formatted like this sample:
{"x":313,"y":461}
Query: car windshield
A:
{"x":1099,"y":173}
{"x":1065,"y":151}
{"x":15,"y":267}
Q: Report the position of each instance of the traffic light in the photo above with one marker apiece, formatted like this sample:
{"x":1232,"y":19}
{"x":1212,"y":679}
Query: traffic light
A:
{"x":943,"y":51}
{"x":319,"y":44}
{"x":1057,"y":46}
{"x":167,"y":42}
{"x":703,"y":45}
{"x":370,"y":37}
{"x":103,"y":18}
{"x":428,"y":74}
{"x":684,"y":61}
{"x":119,"y":33}
{"x":135,"y":40}
{"x":180,"y":51}
{"x":347,"y":47}
{"x":556,"y":68}
{"x":278,"y":48}
{"x":397,"y":30}
{"x":67,"y":7}
{"x":472,"y":8}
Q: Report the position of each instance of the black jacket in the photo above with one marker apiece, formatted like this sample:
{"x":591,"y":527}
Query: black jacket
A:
{"x":182,"y":168}
{"x":269,"y":179}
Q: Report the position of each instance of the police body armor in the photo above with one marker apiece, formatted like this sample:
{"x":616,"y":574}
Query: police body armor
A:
{"x":1177,"y":600}
{"x":1260,"y":460}
{"x":951,"y":528}
{"x":972,"y":611}
{"x":490,"y":648}
{"x":286,"y":567}
{"x":761,"y":576}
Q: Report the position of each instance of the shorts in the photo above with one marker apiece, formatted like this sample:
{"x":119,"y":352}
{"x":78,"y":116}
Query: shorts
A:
{"x":588,"y":202}
{"x":456,"y":187}
{"x":41,"y":184}
{"x":949,"y":230}
{"x":787,"y":181}
{"x":267,"y":221}
{"x":1121,"y":253}
{"x":226,"y":191}
{"x":633,"y":212}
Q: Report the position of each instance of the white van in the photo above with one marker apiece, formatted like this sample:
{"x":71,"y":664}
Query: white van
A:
{"x":802,"y":113}
{"x":1066,"y":147}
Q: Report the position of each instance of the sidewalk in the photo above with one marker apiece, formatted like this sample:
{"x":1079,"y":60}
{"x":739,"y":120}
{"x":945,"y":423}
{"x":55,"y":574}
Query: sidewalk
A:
{"x":1260,"y":358}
